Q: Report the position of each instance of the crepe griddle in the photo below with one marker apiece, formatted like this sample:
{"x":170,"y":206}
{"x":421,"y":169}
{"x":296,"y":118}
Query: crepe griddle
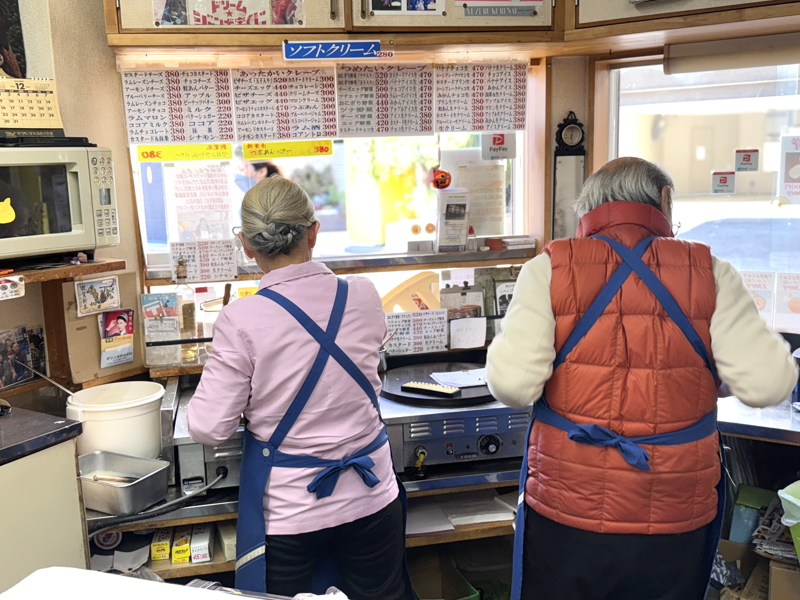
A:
{"x":392,"y":381}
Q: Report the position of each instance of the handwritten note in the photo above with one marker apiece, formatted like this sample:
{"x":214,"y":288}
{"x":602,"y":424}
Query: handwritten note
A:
{"x":468,"y":333}
{"x":278,"y":104}
{"x":29,"y":104}
{"x":481,"y":97}
{"x":388,"y":99}
{"x":417,"y":332}
{"x":270,"y":150}
{"x":198,"y":201}
{"x":206,"y":261}
{"x":487,"y":197}
{"x":178,"y":106}
{"x":184,"y":152}
{"x":787,"y":303}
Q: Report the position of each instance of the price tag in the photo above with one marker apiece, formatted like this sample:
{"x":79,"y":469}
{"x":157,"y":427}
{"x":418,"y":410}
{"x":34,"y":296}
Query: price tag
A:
{"x":746,"y":160}
{"x":178,"y":152}
{"x":723,"y":182}
{"x":266,"y":150}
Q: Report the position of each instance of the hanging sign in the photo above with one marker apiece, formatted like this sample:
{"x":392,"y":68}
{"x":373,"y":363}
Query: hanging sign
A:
{"x":495,"y":146}
{"x":723,"y":182}
{"x":746,"y":160}
{"x":334,"y":50}
{"x":180,"y":152}
{"x":268,"y":150}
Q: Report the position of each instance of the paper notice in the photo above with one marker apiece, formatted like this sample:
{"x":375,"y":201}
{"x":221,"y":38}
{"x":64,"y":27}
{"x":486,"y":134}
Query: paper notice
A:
{"x":427,"y":518}
{"x":787,"y":303}
{"x":761,"y":285}
{"x":116,"y":337}
{"x":723,"y":182}
{"x":468,"y":333}
{"x":487,"y":197}
{"x":125,"y":562}
{"x":417,"y":332}
{"x":789,"y":173}
{"x":162,"y":329}
{"x":746,"y":160}
{"x":12,"y":286}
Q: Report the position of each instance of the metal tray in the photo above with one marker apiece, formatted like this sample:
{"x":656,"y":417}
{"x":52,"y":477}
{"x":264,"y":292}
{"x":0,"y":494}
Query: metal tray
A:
{"x":146,"y":482}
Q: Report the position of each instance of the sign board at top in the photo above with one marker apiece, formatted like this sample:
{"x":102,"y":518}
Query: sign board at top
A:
{"x":334,"y":50}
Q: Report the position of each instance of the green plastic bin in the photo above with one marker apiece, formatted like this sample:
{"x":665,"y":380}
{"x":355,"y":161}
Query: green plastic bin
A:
{"x":790,"y":498}
{"x":435,"y":577}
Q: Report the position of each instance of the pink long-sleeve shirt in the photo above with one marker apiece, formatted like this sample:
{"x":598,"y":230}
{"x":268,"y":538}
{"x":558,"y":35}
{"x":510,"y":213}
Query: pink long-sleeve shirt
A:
{"x":261,"y":355}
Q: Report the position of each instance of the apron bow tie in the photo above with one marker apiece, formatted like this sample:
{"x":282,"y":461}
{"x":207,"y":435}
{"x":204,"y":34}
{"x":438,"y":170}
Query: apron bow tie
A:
{"x":324,"y":483}
{"x":597,"y":435}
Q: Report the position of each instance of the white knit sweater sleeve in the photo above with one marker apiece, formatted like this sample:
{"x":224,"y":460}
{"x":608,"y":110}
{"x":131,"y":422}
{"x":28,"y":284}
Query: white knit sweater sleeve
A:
{"x":520,"y":359}
{"x":755,"y":363}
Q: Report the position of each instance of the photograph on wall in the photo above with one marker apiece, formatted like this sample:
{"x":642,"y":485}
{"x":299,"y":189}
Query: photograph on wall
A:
{"x":503,"y":293}
{"x":15,"y":352}
{"x":96,"y":295}
{"x":286,"y":12}
{"x":116,"y":337}
{"x":212,"y":13}
{"x":12,"y":44}
{"x":38,"y":349}
{"x":408,"y":7}
{"x":156,"y":306}
{"x":170,"y":12}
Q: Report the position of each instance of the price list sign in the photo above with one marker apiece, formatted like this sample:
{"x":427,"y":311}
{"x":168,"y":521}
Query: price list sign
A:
{"x":481,"y":97}
{"x":417,"y":332}
{"x":178,"y":106}
{"x":393,"y":99}
{"x":214,"y":260}
{"x":281,"y":104}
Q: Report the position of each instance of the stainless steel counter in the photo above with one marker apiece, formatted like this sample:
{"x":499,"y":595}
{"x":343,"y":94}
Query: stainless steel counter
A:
{"x":777,"y":423}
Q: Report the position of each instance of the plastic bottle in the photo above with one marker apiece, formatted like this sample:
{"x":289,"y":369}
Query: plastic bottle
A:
{"x":187,"y":311}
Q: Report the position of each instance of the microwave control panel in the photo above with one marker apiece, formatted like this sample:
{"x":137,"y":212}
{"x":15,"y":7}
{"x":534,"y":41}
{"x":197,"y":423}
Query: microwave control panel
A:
{"x":104,"y":198}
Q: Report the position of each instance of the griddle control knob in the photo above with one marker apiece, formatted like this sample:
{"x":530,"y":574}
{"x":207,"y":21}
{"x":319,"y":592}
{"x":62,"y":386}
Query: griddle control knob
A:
{"x":489,"y":444}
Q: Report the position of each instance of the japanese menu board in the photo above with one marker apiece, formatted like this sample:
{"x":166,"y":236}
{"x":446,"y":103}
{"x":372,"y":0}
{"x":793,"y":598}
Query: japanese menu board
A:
{"x":418,"y":331}
{"x":206,"y":261}
{"x":285,"y":103}
{"x":481,"y":97}
{"x":178,"y":106}
{"x":388,"y":99}
{"x":28,"y":104}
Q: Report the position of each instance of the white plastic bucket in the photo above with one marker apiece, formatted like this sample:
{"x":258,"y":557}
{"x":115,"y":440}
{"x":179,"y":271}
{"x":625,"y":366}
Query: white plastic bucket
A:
{"x":119,"y":417}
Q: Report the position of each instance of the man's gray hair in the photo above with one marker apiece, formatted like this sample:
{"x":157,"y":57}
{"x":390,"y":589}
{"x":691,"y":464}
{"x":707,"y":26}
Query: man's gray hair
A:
{"x":625,"y":179}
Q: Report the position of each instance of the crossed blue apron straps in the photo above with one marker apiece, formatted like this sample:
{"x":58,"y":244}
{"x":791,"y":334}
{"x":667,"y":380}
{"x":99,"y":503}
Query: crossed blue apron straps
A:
{"x":597,"y":435}
{"x":260,"y":457}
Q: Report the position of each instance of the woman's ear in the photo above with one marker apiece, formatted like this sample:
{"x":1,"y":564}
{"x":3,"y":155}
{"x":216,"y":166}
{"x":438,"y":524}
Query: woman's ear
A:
{"x":313,"y":230}
{"x":248,"y":250}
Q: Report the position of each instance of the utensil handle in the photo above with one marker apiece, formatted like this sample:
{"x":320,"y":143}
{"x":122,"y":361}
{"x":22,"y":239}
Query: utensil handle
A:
{"x":43,"y":376}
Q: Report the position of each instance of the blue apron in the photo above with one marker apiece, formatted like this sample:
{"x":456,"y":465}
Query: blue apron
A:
{"x":260,"y":457}
{"x":597,"y":435}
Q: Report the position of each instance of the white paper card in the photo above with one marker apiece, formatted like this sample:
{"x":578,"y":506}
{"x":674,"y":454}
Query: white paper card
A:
{"x":761,"y":285}
{"x":126,"y":562}
{"x":789,"y":173}
{"x":161,"y":330}
{"x":418,"y":331}
{"x":746,"y":160}
{"x":468,"y":333}
{"x":487,"y":197}
{"x":427,"y":518}
{"x":723,"y":182}
{"x":453,"y":220}
{"x":497,"y":146}
{"x":102,"y":562}
{"x":461,"y":379}
{"x":205,"y":261}
{"x":12,"y":286}
{"x":787,"y":303}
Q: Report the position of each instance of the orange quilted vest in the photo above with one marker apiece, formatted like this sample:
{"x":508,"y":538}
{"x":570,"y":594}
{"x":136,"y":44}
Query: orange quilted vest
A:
{"x":634,"y":373}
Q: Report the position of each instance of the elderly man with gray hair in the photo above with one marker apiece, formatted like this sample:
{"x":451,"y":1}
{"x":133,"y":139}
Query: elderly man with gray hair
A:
{"x":621,"y":338}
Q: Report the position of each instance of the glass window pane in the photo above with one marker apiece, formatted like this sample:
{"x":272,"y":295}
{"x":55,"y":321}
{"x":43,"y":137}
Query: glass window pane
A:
{"x":34,"y":200}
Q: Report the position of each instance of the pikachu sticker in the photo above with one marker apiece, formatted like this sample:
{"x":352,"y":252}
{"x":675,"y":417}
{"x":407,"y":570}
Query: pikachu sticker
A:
{"x":7,"y":214}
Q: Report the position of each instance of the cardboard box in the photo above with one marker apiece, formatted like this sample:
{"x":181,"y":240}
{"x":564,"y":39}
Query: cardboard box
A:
{"x":784,"y":581}
{"x":740,"y":553}
{"x":161,"y":546}
{"x":226,"y":532}
{"x":182,"y":544}
{"x":202,"y":542}
{"x":757,"y":587}
{"x":435,"y":577}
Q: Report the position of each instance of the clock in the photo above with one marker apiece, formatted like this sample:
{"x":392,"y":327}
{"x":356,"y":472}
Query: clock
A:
{"x":570,"y":136}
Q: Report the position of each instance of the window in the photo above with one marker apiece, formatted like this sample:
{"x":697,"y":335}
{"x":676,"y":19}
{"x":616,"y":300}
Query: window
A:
{"x":691,"y":125}
{"x":369,"y":193}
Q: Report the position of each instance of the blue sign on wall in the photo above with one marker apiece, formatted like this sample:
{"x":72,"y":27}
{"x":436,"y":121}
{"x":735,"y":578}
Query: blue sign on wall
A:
{"x":333,"y":50}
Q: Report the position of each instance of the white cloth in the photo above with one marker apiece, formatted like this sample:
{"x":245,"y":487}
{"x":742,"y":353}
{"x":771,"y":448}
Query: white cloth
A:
{"x":754,"y":362}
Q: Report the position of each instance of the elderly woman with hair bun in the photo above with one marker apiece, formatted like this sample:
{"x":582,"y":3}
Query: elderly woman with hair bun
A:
{"x":319,"y":502}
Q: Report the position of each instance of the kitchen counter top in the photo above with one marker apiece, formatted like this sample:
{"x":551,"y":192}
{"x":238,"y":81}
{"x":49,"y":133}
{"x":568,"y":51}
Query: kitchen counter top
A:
{"x":775,"y":423}
{"x":24,"y":432}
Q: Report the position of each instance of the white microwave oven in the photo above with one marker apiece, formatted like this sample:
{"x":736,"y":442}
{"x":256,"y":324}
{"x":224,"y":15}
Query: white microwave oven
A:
{"x":56,"y":200}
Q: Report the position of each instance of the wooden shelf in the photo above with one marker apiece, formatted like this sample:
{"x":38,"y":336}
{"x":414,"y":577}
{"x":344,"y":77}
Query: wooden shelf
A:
{"x":167,"y":570}
{"x":70,"y":271}
{"x":21,"y":389}
{"x":462,"y":533}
